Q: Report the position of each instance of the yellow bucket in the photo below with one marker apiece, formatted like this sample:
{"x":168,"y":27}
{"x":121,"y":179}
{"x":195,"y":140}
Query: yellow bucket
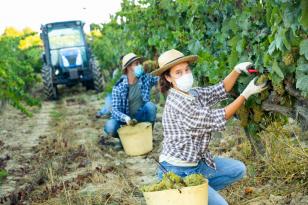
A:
{"x":137,"y":140}
{"x":194,"y":195}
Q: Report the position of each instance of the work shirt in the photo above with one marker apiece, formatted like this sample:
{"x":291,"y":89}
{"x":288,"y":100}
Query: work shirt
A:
{"x":134,"y":99}
{"x":189,"y":120}
{"x":120,"y":103}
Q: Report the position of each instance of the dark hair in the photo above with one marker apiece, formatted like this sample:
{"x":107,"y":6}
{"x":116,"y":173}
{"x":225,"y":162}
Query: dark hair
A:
{"x":164,"y":84}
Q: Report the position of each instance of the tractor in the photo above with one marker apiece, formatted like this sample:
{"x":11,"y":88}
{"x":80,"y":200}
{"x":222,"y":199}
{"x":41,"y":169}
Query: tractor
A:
{"x":67,"y":58}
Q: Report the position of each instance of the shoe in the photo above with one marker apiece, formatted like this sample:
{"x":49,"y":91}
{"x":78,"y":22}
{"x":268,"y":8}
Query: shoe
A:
{"x":103,"y":116}
{"x":110,"y":141}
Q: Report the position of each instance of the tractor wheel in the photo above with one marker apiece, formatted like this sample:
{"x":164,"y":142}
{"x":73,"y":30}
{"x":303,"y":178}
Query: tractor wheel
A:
{"x":50,"y":90}
{"x":98,"y":79}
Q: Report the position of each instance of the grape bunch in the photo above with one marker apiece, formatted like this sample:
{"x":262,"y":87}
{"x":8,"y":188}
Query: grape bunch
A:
{"x":172,"y":181}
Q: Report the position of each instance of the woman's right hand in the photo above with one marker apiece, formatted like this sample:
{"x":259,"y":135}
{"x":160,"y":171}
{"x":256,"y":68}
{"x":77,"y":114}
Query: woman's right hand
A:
{"x":252,"y":88}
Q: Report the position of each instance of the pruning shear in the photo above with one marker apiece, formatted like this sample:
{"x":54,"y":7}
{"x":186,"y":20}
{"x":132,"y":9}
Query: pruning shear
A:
{"x":253,"y":70}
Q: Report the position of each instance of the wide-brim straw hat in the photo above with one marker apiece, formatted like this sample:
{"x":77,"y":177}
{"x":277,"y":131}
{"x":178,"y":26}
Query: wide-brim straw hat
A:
{"x":130,"y":58}
{"x":171,"y":58}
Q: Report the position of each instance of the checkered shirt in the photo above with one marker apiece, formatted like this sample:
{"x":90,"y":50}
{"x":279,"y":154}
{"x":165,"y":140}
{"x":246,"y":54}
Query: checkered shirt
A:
{"x":188,"y":121}
{"x":120,"y":106}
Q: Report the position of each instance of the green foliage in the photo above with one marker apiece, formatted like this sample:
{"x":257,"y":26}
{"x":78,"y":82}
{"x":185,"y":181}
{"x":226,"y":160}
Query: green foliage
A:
{"x":172,"y":181}
{"x":272,"y":34}
{"x":3,"y":175}
{"x":16,"y":74}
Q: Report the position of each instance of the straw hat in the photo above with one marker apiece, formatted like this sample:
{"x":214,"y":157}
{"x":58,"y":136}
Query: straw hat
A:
{"x":128,"y":59}
{"x":171,"y":58}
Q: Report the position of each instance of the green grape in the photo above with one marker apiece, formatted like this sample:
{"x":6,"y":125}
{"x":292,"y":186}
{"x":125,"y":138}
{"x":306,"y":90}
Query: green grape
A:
{"x":243,"y":115}
{"x":288,"y":59}
{"x":149,"y":65}
{"x":264,"y":95}
{"x":172,"y":181}
{"x":279,"y":88}
{"x":194,"y":180}
{"x":262,"y":79}
{"x":257,"y":113}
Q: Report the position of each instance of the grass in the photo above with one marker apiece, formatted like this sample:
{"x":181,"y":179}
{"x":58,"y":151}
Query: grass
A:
{"x":3,"y":175}
{"x":281,"y":171}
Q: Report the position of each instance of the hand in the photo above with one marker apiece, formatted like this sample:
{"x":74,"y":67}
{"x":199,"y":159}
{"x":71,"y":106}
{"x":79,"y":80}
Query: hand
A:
{"x":242,"y":67}
{"x":130,"y":121}
{"x":252,"y":88}
{"x":127,"y":119}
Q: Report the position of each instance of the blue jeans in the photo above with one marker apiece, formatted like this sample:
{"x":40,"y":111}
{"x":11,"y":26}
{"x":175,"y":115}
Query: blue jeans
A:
{"x":147,"y":113}
{"x":106,"y":109}
{"x":228,"y":171}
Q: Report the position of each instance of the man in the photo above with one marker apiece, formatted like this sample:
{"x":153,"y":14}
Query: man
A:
{"x":131,"y":97}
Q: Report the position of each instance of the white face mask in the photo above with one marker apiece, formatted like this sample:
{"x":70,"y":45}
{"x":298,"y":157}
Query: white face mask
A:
{"x":185,"y":82}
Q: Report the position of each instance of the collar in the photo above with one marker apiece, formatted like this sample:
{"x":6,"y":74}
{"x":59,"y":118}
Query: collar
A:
{"x":181,"y":94}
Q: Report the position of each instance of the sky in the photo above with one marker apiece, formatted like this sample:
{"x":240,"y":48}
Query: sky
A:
{"x":33,"y":13}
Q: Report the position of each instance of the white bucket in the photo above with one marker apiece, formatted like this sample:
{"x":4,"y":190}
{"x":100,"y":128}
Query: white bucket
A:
{"x":137,"y":140}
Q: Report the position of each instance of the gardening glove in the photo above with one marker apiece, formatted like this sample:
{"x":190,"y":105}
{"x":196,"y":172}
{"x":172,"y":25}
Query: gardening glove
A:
{"x":130,"y":121}
{"x":127,"y":119}
{"x":252,"y":88}
{"x":243,"y":67}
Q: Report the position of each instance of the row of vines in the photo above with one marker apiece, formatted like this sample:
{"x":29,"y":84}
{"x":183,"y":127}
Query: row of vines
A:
{"x":272,"y":34}
{"x":19,"y":63}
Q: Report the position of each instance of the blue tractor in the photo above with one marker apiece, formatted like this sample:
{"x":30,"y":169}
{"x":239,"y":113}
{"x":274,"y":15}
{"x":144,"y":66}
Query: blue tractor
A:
{"x":67,"y":58}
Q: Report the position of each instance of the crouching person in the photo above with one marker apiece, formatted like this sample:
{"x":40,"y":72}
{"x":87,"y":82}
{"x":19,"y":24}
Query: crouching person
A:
{"x":189,"y":119}
{"x":130,"y":99}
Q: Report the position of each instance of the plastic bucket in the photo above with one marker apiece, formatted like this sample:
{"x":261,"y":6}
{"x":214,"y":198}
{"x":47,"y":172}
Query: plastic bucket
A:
{"x":194,"y":195}
{"x":137,"y":140}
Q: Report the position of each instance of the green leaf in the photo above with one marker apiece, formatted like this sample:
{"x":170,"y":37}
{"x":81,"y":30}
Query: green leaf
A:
{"x":232,"y":58}
{"x":272,"y":47}
{"x":303,"y":68}
{"x":304,"y":17}
{"x":303,"y":46}
{"x":277,"y":70}
{"x":302,"y":83}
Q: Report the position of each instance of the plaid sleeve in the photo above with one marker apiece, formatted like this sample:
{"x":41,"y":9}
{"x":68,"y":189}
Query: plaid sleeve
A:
{"x":212,"y":94}
{"x":116,"y":105}
{"x":196,"y":117}
{"x":153,"y":80}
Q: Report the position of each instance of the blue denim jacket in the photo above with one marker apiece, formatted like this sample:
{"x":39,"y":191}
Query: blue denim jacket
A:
{"x":120,"y":107}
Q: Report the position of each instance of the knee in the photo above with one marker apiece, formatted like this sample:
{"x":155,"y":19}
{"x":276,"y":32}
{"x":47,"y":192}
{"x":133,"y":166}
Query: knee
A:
{"x":241,"y":169}
{"x":150,"y":108}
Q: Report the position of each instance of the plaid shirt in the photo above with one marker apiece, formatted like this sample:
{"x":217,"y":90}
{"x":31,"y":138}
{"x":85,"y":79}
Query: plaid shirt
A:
{"x":188,"y":121}
{"x":120,"y":106}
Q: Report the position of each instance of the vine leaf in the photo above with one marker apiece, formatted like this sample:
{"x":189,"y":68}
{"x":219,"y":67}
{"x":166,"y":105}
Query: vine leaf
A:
{"x":304,"y":48}
{"x":277,"y":70}
{"x":302,"y":83}
{"x":304,"y":17}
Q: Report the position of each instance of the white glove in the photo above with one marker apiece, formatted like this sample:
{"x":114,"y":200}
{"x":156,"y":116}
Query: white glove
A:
{"x":127,"y":119}
{"x":130,"y":121}
{"x":252,"y":88}
{"x":242,"y":67}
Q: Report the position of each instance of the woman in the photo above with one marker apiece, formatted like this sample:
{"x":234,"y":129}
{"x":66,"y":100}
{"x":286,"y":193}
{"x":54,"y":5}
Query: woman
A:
{"x":188,"y":121}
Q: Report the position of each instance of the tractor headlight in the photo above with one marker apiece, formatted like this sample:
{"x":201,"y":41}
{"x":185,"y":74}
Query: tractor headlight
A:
{"x":57,"y":72}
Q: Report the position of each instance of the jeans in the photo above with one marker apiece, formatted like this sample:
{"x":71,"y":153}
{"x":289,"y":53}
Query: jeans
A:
{"x":228,"y":171}
{"x":106,"y":109}
{"x":147,"y":113}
